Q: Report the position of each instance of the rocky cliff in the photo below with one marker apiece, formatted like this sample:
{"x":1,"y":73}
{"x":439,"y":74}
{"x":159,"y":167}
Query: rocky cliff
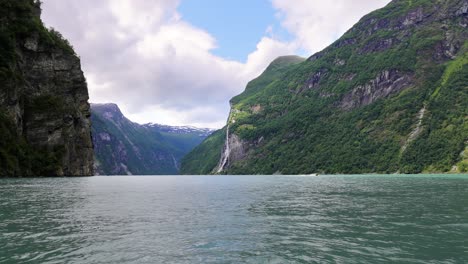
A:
{"x":44,"y":110}
{"x":389,"y":96}
{"x":123,"y":147}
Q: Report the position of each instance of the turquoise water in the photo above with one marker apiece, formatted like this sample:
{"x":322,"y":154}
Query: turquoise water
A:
{"x":281,"y":219}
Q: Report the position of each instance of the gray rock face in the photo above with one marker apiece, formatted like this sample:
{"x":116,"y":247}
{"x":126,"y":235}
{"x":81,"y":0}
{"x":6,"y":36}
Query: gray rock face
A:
{"x":314,"y":80}
{"x":59,"y":75}
{"x":378,"y":45}
{"x":49,"y":105}
{"x":414,"y":17}
{"x":238,"y":151}
{"x":463,"y":10}
{"x":385,"y":84}
{"x":235,"y":149}
{"x":345,"y":42}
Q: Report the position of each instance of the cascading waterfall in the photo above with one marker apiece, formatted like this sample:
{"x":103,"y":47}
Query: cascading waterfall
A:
{"x":176,"y":164}
{"x":416,"y":131}
{"x":225,"y":156}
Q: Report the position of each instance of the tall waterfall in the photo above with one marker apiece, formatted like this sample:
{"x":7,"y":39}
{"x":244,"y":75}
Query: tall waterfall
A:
{"x":416,"y":131}
{"x":226,"y":153}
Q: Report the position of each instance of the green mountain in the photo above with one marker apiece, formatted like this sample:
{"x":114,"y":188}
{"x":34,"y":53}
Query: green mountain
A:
{"x":126,"y":148}
{"x":391,"y":95}
{"x":44,"y":111}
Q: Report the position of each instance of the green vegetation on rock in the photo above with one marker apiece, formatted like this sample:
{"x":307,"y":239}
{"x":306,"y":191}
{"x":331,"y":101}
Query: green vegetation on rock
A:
{"x":389,"y":96}
{"x":43,"y":98}
{"x":204,"y":158}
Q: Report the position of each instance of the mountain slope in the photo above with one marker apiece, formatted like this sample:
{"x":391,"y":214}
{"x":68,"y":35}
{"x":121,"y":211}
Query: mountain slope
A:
{"x":44,"y":111}
{"x":389,"y":96}
{"x":126,"y":148}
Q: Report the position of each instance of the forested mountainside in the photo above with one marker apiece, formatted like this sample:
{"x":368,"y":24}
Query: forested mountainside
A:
{"x":44,"y":111}
{"x":391,"y":95}
{"x":126,"y":148}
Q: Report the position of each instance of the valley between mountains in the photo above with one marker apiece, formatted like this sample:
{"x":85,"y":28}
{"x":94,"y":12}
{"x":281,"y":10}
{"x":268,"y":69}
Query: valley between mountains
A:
{"x":389,"y":96}
{"x":123,"y":147}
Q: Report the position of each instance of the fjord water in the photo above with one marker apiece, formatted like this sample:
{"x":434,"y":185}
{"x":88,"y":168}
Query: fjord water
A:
{"x":281,"y":219}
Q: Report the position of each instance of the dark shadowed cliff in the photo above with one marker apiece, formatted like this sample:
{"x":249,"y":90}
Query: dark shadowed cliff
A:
{"x":44,"y":110}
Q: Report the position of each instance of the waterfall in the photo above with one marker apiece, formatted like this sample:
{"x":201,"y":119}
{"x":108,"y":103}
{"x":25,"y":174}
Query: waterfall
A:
{"x":225,"y":156}
{"x":416,"y":131}
{"x":176,"y":165}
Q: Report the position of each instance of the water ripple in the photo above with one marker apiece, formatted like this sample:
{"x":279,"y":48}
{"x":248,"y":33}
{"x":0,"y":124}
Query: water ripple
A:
{"x":358,"y":219}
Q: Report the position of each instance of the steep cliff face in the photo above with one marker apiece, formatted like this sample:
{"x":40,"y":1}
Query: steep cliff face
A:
{"x":389,"y":96}
{"x":126,"y":148}
{"x":43,"y":98}
{"x":234,"y":150}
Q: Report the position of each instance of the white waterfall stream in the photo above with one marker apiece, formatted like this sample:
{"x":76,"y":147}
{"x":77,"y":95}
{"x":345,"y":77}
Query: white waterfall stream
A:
{"x":416,"y":131}
{"x":176,"y":165}
{"x":225,"y":156}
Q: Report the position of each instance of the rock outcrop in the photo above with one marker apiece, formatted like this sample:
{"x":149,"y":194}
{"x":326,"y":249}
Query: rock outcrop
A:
{"x":385,"y":84}
{"x":43,"y":98}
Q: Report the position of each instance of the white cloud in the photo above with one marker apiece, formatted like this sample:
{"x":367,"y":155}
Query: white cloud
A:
{"x":143,"y":16}
{"x":267,"y":50}
{"x":315,"y":24}
{"x":158,"y":68}
{"x":143,"y":56}
{"x":200,"y":116}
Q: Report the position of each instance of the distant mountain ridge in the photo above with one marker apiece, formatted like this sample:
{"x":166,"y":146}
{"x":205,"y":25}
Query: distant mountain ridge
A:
{"x":180,"y":129}
{"x":123,"y":147}
{"x":391,"y":95}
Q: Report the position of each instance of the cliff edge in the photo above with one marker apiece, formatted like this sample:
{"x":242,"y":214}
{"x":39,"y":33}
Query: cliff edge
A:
{"x":44,"y":110}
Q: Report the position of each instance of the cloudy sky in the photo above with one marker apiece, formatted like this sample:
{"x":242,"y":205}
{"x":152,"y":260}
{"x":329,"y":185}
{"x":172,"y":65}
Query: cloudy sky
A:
{"x":179,"y":62}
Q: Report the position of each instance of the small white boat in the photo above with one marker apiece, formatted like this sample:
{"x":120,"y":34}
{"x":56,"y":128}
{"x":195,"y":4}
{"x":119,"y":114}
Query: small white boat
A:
{"x":310,"y":175}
